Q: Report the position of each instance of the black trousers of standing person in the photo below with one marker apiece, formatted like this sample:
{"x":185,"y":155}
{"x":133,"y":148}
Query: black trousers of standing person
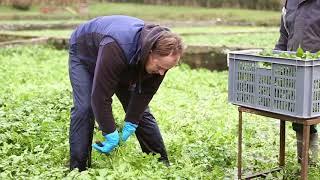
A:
{"x":299,"y":128}
{"x":82,"y":118}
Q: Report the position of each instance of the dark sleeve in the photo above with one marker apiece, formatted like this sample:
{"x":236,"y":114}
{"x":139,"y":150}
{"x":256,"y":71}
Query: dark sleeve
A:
{"x":283,"y":39}
{"x":140,"y":100}
{"x":110,"y":64}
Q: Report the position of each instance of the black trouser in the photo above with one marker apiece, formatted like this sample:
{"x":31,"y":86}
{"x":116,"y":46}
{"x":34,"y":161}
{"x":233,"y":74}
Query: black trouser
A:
{"x":82,"y":123}
{"x":299,"y":128}
{"x":148,"y":132}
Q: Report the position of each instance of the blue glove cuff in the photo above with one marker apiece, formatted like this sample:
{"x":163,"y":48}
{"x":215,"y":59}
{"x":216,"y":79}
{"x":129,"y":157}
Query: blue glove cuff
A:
{"x":128,"y":129}
{"x":126,"y":123}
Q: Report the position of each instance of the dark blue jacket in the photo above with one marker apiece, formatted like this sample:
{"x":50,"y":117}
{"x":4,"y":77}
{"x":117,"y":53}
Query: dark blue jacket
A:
{"x":97,"y":32}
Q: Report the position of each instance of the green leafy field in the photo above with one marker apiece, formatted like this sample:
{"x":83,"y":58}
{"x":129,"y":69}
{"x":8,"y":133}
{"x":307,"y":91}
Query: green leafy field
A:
{"x":199,"y":126}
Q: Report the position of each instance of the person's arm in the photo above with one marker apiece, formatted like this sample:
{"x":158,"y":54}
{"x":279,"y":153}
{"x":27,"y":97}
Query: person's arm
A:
{"x":140,"y":100}
{"x":283,"y":39}
{"x":110,"y":64}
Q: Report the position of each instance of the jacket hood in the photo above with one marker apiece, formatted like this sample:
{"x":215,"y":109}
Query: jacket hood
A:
{"x":149,"y":35}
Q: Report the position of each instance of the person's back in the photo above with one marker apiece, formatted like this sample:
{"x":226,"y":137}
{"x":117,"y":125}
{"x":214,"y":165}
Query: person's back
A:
{"x":300,"y":27}
{"x":89,"y":36}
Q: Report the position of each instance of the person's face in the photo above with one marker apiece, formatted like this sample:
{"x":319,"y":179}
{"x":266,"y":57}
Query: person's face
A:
{"x":160,"y":64}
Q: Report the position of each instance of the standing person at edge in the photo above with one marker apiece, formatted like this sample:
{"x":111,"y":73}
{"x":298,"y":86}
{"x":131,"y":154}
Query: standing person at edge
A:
{"x":300,"y":26}
{"x":124,"y":56}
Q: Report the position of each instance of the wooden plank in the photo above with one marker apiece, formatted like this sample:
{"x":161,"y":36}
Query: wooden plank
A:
{"x":307,"y":121}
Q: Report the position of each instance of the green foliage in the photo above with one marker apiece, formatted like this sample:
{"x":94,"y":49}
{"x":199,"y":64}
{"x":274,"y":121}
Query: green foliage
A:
{"x":33,"y":111}
{"x":299,"y":55}
{"x":199,"y":127}
{"x":300,"y":52}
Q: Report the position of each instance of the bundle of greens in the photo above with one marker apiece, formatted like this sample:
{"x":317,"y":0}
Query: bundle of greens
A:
{"x":300,"y":54}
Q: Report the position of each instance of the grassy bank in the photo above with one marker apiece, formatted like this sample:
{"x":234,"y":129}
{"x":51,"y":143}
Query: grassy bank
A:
{"x":155,"y":13}
{"x":234,"y":36}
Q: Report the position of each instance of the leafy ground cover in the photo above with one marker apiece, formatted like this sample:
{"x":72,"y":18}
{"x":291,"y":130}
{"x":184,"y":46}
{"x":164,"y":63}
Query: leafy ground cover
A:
{"x":199,"y":126}
{"x":173,"y":13}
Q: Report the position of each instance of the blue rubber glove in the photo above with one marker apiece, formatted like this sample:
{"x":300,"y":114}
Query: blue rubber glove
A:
{"x":128,"y":129}
{"x":112,"y":141}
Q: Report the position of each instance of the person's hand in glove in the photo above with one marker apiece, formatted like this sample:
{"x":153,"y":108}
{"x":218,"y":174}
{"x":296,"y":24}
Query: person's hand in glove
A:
{"x":128,"y":129}
{"x":112,"y":141}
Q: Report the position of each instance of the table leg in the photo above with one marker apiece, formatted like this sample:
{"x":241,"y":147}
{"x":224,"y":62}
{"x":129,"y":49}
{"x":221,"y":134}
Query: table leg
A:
{"x":240,"y":146}
{"x":305,"y":152}
{"x":282,"y":143}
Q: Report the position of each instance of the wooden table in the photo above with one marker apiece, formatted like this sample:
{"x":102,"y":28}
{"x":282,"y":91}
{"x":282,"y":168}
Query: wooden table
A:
{"x":283,"y":118}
